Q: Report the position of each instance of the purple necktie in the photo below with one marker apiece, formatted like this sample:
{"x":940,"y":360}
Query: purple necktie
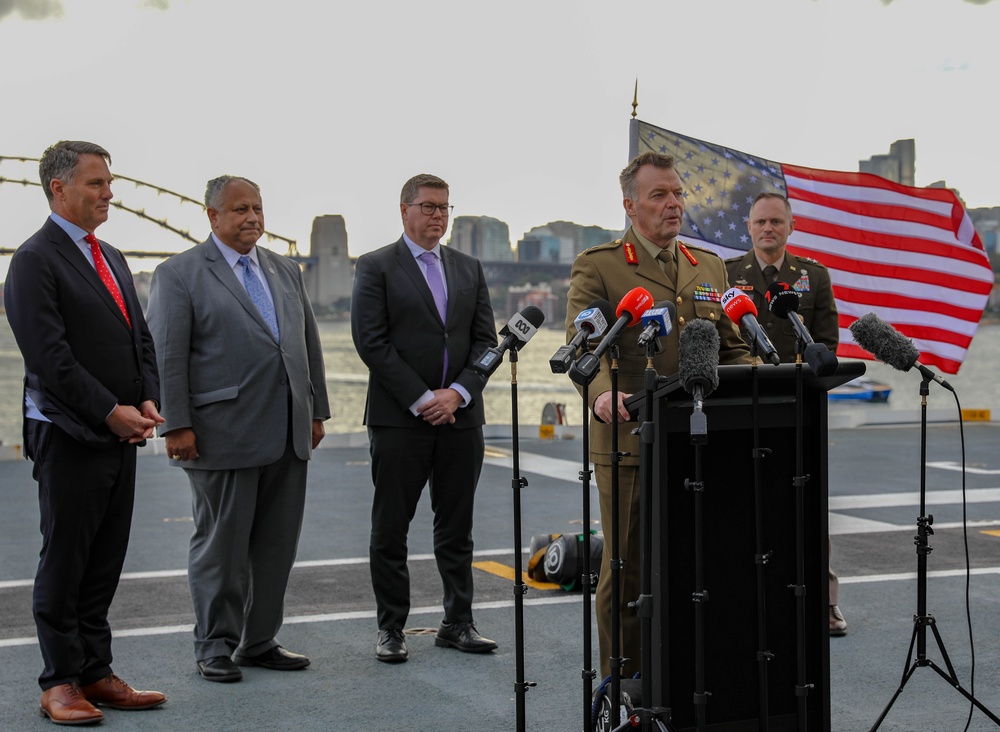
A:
{"x":436,"y":283}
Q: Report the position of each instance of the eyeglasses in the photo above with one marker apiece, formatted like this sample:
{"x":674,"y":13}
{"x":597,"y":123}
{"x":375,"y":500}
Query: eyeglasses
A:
{"x":427,"y":208}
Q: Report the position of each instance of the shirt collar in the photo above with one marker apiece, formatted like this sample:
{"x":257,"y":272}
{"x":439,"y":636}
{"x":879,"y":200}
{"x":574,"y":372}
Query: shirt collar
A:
{"x":73,"y":231}
{"x":232,"y":256}
{"x":652,"y":249}
{"x":416,"y":250}
{"x":777,"y":265}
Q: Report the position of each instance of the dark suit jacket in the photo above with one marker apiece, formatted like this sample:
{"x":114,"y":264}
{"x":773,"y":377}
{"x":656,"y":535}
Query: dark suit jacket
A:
{"x":817,"y":306}
{"x":223,"y":374}
{"x":80,"y":356}
{"x":400,"y":337}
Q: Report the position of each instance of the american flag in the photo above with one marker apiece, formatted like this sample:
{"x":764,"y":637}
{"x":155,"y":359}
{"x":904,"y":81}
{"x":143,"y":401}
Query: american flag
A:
{"x":910,"y":255}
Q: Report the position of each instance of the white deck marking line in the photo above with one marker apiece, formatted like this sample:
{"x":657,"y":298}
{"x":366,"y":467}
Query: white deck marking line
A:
{"x":322,"y":618}
{"x":497,"y":605}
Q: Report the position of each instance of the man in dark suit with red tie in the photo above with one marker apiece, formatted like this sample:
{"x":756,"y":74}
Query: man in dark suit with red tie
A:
{"x":420,"y":317}
{"x":90,"y":396}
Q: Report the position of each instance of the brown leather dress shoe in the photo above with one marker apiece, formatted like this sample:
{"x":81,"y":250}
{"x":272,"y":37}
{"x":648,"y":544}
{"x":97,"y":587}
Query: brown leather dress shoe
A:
{"x":838,"y":626}
{"x":112,"y":692}
{"x":64,"y":704}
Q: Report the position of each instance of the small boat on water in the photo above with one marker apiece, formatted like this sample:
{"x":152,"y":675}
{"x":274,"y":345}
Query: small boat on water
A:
{"x":863,"y":389}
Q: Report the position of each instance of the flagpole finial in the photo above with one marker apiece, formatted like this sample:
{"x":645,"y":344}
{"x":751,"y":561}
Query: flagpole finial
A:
{"x":635,"y":98}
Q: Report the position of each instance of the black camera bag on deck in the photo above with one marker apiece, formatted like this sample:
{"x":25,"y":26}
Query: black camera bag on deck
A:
{"x":558,"y":558}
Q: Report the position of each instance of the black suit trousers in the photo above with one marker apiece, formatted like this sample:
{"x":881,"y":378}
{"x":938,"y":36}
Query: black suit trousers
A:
{"x":85,"y":498}
{"x":404,"y":459}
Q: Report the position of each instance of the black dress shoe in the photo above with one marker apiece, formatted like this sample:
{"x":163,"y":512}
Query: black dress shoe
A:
{"x":276,"y":658}
{"x":391,"y":646}
{"x":219,"y":668}
{"x":464,"y":637}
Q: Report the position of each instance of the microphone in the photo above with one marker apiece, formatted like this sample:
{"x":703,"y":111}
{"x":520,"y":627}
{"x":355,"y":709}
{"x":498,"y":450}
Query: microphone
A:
{"x":784,"y":302}
{"x":518,"y":331}
{"x":629,"y":312}
{"x":698,"y":367}
{"x":890,"y":346}
{"x":591,"y":323}
{"x":657,"y":322}
{"x":741,"y":309}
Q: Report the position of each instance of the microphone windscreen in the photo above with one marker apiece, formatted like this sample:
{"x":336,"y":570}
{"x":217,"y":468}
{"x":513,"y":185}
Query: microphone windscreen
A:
{"x":670,"y":317}
{"x":698,"y":357}
{"x":782,"y":299}
{"x":533,"y":315}
{"x":606,"y":308}
{"x":887,"y":344}
{"x":634,"y":304}
{"x":737,"y":304}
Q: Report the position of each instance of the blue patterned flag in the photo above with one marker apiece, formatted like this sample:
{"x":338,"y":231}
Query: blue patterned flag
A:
{"x":910,"y":255}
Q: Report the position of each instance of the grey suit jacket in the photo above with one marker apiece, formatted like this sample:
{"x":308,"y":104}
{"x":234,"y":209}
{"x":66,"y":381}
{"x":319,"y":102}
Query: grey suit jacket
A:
{"x":222,"y":373}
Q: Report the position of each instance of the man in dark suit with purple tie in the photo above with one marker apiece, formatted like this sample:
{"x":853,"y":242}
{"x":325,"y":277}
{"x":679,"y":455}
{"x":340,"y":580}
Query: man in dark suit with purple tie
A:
{"x":420,"y":317}
{"x":90,"y":396}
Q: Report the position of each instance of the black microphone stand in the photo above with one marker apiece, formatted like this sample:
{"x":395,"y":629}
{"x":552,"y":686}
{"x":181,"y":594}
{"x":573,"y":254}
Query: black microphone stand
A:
{"x":645,"y":604}
{"x":520,"y":588}
{"x":699,"y":437}
{"x":761,"y":557}
{"x":922,"y":619}
{"x":799,"y":588}
{"x":616,"y":561}
{"x":587,"y":673}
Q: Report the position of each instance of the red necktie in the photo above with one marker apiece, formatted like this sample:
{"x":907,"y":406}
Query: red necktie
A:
{"x":105,"y":274}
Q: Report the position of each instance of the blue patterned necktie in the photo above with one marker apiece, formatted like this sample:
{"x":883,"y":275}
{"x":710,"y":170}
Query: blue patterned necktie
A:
{"x":436,"y":283}
{"x":255,"y":289}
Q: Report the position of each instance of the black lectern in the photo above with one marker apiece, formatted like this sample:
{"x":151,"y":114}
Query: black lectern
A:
{"x":730,"y":556}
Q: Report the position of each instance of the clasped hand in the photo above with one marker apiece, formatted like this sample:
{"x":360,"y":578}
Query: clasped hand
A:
{"x":441,"y":409}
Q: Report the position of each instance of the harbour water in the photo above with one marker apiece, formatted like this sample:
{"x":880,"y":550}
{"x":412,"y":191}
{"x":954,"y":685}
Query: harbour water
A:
{"x":977,"y":383}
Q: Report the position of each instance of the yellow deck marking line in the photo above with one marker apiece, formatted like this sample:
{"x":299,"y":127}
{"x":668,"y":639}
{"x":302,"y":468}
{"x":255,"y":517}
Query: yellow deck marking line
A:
{"x":507,"y":573}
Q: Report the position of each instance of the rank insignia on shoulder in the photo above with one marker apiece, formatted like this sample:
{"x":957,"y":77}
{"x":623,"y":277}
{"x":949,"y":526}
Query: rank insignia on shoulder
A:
{"x":630,"y":255}
{"x":686,"y":252}
{"x":802,"y":283}
{"x":705,"y":291}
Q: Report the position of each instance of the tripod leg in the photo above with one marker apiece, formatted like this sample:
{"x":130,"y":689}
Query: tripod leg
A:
{"x":958,"y":687}
{"x":906,"y":677}
{"x":908,"y":664}
{"x":952,"y":678}
{"x":908,"y":668}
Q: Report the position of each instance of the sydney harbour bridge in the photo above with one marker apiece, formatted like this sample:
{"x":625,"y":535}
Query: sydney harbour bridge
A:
{"x":327,"y":269}
{"x":142,"y":214}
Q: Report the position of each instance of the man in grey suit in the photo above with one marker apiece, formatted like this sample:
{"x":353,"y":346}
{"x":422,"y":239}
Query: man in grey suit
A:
{"x":420,"y":317}
{"x":243,"y":393}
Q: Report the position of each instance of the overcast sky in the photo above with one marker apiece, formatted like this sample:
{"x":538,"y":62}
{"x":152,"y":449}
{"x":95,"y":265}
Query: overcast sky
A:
{"x":522,"y":106}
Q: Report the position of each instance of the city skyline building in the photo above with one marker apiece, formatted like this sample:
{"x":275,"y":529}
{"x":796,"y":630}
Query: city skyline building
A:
{"x":899,"y":165}
{"x":561,"y":241}
{"x":483,"y":237}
